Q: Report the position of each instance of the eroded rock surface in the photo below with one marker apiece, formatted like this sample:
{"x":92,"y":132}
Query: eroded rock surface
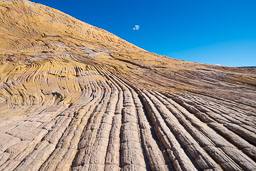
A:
{"x":75,"y":97}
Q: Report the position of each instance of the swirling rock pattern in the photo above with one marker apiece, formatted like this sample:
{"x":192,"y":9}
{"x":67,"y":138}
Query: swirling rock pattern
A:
{"x":75,"y":97}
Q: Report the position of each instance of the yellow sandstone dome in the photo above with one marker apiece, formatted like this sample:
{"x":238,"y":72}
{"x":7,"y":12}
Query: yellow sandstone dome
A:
{"x":76,"y":97}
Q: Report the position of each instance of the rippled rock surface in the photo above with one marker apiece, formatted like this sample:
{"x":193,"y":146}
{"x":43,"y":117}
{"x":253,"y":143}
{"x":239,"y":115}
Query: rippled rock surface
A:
{"x":76,"y":97}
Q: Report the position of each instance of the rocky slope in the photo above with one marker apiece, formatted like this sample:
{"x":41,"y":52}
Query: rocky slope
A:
{"x":75,"y":97}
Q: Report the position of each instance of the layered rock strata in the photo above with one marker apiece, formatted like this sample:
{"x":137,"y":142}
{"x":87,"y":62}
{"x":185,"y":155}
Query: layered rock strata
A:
{"x":75,"y":97}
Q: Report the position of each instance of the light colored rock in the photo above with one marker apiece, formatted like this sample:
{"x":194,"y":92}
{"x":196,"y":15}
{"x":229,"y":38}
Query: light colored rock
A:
{"x":76,"y":97}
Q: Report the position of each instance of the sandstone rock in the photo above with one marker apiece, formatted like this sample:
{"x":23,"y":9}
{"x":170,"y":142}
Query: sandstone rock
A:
{"x":76,"y":97}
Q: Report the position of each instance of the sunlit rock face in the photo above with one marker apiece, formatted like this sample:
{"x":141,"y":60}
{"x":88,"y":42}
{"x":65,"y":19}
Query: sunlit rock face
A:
{"x":76,"y":97}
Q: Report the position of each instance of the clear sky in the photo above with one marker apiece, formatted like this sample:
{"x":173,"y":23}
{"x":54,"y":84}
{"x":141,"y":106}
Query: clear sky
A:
{"x":206,"y":31}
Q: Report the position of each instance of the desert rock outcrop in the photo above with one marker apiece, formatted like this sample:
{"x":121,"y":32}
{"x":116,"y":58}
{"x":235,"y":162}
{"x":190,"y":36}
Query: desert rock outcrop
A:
{"x":76,"y":97}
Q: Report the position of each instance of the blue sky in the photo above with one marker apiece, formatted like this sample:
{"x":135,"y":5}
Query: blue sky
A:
{"x":206,"y":31}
